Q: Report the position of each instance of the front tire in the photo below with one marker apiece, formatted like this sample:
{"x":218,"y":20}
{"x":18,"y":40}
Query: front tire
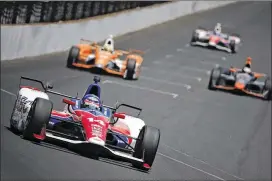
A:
{"x":214,"y":78}
{"x":73,"y":56}
{"x":194,"y":38}
{"x":38,"y":117}
{"x":130,"y":71}
{"x":233,"y":48}
{"x":147,"y":145}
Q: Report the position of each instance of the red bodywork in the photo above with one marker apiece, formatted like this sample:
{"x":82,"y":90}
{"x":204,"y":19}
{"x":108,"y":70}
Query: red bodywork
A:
{"x":216,"y":39}
{"x":96,"y":127}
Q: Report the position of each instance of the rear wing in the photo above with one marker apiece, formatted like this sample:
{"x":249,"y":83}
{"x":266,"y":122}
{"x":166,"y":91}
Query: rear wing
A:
{"x":114,"y":109}
{"x":46,"y":87}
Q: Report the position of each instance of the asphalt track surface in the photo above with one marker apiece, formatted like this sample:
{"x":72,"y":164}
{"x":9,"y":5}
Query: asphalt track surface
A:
{"x":205,"y":135}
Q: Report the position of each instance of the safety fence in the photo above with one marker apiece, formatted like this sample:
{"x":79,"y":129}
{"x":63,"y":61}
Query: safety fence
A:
{"x":29,"y":12}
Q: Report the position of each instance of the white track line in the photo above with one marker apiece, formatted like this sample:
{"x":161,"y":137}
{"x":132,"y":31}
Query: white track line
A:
{"x":188,"y":87}
{"x":147,"y":69}
{"x":10,"y":93}
{"x":201,"y":161}
{"x":141,"y":88}
{"x":193,"y":69}
{"x":202,"y":171}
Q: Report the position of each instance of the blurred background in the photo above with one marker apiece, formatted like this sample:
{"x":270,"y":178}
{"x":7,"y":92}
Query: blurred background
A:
{"x":29,"y":12}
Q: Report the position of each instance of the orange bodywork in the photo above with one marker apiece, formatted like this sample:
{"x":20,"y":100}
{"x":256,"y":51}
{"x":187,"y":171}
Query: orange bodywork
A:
{"x":102,"y":57}
{"x":241,"y":89}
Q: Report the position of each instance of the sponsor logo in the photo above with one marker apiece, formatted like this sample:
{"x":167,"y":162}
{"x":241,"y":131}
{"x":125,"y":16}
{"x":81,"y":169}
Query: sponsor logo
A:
{"x":96,"y":130}
{"x":98,"y":121}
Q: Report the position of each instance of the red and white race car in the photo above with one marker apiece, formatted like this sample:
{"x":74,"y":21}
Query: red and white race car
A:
{"x":92,"y":132}
{"x":216,"y":39}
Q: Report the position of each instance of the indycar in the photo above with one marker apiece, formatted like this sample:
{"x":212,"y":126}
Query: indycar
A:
{"x":122,"y":63}
{"x":113,"y":134}
{"x":234,"y":80}
{"x":224,"y":42}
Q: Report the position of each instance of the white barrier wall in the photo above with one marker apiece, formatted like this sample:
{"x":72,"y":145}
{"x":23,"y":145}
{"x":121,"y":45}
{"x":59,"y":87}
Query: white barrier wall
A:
{"x":19,"y":41}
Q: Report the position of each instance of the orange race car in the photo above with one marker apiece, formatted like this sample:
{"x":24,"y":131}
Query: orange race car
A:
{"x":241,"y":81}
{"x":90,"y":55}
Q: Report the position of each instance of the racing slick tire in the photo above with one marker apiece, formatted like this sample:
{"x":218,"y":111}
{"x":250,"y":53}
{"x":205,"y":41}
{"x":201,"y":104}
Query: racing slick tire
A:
{"x":233,"y":48}
{"x":267,"y":87}
{"x":194,"y":37}
{"x":37,"y":119}
{"x":13,"y":128}
{"x":73,"y":56}
{"x":146,"y":146}
{"x":214,"y":78}
{"x":130,"y":71}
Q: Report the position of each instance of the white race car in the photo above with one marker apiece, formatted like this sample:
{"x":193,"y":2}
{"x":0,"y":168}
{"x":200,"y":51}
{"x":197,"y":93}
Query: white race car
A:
{"x":89,"y":131}
{"x":216,"y":39}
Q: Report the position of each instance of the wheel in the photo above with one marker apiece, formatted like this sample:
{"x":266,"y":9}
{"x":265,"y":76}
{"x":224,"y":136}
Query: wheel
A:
{"x":147,"y":145}
{"x":214,"y":78}
{"x":267,"y":87}
{"x":130,"y":71}
{"x":13,"y":128}
{"x":233,"y":46}
{"x":194,"y":37}
{"x":38,"y":117}
{"x":72,"y":57}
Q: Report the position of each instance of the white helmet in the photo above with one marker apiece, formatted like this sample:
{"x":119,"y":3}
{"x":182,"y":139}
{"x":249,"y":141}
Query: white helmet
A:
{"x":246,"y":70}
{"x":109,"y":44}
{"x":218,"y":28}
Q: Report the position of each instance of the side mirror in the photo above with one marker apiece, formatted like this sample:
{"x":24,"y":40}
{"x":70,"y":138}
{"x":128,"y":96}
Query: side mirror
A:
{"x":119,"y":116}
{"x":49,"y":85}
{"x":69,"y":102}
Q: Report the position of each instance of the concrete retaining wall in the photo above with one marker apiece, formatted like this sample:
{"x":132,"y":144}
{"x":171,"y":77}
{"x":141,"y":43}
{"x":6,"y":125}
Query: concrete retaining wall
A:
{"x":19,"y":41}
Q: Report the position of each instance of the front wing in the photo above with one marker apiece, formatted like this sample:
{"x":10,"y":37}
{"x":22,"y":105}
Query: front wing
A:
{"x":230,"y":88}
{"x":86,"y":66}
{"x":206,"y":44}
{"x":103,"y":150}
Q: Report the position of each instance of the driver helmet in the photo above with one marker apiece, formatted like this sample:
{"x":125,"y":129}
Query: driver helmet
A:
{"x":247,"y":70}
{"x":109,"y":44}
{"x":91,"y":101}
{"x":217,"y":28}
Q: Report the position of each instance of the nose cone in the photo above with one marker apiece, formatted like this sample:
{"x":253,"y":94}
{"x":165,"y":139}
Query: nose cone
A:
{"x":239,"y":85}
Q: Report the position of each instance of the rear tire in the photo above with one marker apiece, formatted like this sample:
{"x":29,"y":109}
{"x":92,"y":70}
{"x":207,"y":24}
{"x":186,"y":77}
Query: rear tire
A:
{"x":147,"y":145}
{"x":38,"y":117}
{"x":73,"y":56}
{"x":214,"y":78}
{"x":267,"y":87}
{"x":130,"y":71}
